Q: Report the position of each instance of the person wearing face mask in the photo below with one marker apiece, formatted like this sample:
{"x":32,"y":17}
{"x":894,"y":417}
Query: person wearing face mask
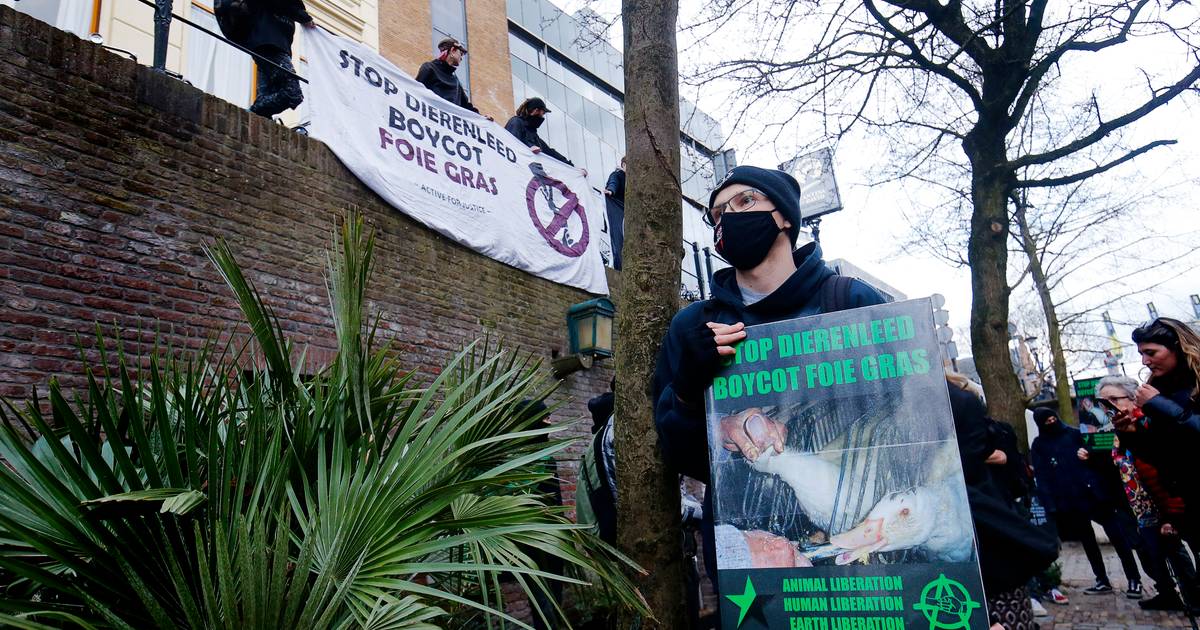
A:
{"x":530,"y":115}
{"x":438,"y":74}
{"x":1074,"y":496}
{"x":755,"y":215}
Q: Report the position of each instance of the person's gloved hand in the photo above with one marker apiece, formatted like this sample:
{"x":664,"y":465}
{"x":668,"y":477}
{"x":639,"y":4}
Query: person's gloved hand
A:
{"x":700,"y":357}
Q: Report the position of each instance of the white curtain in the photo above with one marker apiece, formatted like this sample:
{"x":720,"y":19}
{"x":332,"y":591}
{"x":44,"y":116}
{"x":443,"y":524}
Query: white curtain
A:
{"x":213,"y":65}
{"x":74,"y":16}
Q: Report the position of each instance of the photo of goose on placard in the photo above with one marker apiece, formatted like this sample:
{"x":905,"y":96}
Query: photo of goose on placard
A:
{"x":865,"y":481}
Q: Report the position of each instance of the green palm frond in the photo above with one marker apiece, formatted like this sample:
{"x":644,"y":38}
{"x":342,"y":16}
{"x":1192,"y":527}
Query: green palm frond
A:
{"x":226,"y":488}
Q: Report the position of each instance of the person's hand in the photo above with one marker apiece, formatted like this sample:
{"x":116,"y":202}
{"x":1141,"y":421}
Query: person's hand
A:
{"x":1082,"y":454}
{"x":700,"y":357}
{"x":726,"y":336}
{"x":770,"y":551}
{"x":998,"y":458}
{"x":1168,"y":529}
{"x":607,"y":192}
{"x":1145,"y":393}
{"x":309,"y":24}
{"x":751,"y":433}
{"x":535,"y":149}
{"x":1123,"y":422}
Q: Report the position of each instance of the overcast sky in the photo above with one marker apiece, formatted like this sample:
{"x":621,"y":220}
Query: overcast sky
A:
{"x":876,"y":221}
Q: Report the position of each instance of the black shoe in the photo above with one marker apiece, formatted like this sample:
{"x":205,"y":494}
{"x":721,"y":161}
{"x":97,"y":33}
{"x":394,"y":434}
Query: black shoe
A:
{"x":1101,"y":588}
{"x":1135,"y":590}
{"x":1162,"y":601}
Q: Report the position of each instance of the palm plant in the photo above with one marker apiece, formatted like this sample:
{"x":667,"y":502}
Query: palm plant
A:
{"x":225,"y":488}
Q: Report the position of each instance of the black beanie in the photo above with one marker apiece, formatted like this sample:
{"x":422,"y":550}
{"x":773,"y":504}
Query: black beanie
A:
{"x":782,"y":189}
{"x":1042,"y":414}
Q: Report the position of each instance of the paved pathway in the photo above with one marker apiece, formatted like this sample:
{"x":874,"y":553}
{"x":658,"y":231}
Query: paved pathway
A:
{"x":1101,"y":612}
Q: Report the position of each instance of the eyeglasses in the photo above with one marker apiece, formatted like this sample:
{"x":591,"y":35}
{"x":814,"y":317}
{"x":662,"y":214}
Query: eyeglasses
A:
{"x":1113,"y":399}
{"x":742,"y":201}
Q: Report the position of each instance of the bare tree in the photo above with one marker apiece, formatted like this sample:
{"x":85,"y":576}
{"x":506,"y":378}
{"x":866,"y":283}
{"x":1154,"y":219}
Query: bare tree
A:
{"x":989,"y":78}
{"x":1087,"y":247}
{"x":648,"y":524}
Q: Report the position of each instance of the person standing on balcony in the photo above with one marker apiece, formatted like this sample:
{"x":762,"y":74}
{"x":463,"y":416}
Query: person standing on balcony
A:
{"x":530,"y":115}
{"x":267,"y":27}
{"x":614,"y":192}
{"x":438,"y":74}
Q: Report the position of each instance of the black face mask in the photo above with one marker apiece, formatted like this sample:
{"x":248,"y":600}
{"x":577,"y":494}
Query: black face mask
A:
{"x":535,"y":121}
{"x":745,"y":238}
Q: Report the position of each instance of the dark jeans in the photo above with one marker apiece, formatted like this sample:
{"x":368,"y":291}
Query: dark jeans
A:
{"x":276,"y":90}
{"x":1079,"y":526}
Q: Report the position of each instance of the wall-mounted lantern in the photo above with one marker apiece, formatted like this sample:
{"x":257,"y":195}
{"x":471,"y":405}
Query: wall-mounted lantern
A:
{"x":589,"y":336}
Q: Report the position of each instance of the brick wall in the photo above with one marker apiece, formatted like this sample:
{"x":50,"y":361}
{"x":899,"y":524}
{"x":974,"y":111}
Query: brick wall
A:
{"x":406,"y":39}
{"x":113,"y":177}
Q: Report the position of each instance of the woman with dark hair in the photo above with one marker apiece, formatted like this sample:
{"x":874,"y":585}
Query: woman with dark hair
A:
{"x":1168,"y":433}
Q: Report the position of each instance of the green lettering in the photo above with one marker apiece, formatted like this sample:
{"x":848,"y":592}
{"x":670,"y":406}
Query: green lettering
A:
{"x":806,"y":343}
{"x":786,"y":348}
{"x":821,"y":340}
{"x":920,"y":361}
{"x":720,"y":388}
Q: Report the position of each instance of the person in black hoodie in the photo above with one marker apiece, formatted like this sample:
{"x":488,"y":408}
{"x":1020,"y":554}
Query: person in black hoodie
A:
{"x":755,"y":213}
{"x":1074,"y":497}
{"x":267,"y":27}
{"x":438,"y":74}
{"x":1168,"y":434}
{"x":530,"y":115}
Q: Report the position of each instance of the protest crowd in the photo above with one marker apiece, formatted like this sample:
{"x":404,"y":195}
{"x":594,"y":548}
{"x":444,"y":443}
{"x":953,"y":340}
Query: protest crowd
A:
{"x":1137,"y":487}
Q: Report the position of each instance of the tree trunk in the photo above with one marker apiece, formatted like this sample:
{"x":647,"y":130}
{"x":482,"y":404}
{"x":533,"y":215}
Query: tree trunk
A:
{"x":1062,"y":388}
{"x":988,"y":257}
{"x":648,"y":527}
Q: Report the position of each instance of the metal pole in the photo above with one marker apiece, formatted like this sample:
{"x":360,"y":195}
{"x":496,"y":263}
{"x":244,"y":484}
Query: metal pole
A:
{"x":699,"y":270}
{"x":162,"y":33}
{"x":708,"y":265}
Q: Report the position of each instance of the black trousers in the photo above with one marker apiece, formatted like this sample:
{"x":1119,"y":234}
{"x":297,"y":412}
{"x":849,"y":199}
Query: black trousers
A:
{"x":276,"y":91}
{"x":1078,"y":526}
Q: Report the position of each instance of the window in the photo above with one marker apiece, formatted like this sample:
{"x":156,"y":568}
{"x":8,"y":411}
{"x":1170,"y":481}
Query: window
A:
{"x":74,"y":16}
{"x":449,"y":19}
{"x":213,"y":65}
{"x":522,"y":49}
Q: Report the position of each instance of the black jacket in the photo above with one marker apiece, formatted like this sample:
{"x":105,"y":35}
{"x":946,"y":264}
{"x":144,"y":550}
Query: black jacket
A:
{"x":1011,"y":549}
{"x":683,"y":435}
{"x":438,"y":76}
{"x":1064,"y":482}
{"x":525,"y":132}
{"x":616,"y":185}
{"x":258,"y":24}
{"x":1170,"y":437}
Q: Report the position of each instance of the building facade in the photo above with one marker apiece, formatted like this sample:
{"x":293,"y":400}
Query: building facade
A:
{"x":518,"y":49}
{"x":127,"y":27}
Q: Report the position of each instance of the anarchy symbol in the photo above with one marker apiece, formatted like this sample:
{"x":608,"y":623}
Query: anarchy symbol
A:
{"x":557,"y":232}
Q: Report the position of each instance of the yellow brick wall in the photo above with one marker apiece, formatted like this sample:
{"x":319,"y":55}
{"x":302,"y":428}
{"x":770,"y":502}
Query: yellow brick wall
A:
{"x":406,"y":39}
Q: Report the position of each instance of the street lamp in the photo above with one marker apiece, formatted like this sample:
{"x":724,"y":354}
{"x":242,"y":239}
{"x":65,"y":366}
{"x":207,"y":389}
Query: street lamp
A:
{"x":589,"y":336}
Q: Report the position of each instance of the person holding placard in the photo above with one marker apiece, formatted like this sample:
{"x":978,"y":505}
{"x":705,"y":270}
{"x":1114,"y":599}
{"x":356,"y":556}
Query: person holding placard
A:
{"x":755,"y":216}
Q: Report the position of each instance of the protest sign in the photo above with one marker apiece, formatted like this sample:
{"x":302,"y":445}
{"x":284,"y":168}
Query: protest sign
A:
{"x":856,"y":516}
{"x":452,"y":169}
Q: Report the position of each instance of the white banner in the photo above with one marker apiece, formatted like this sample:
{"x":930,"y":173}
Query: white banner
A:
{"x":452,"y":169}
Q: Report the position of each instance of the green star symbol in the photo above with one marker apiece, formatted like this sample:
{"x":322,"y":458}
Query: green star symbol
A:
{"x":743,"y":601}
